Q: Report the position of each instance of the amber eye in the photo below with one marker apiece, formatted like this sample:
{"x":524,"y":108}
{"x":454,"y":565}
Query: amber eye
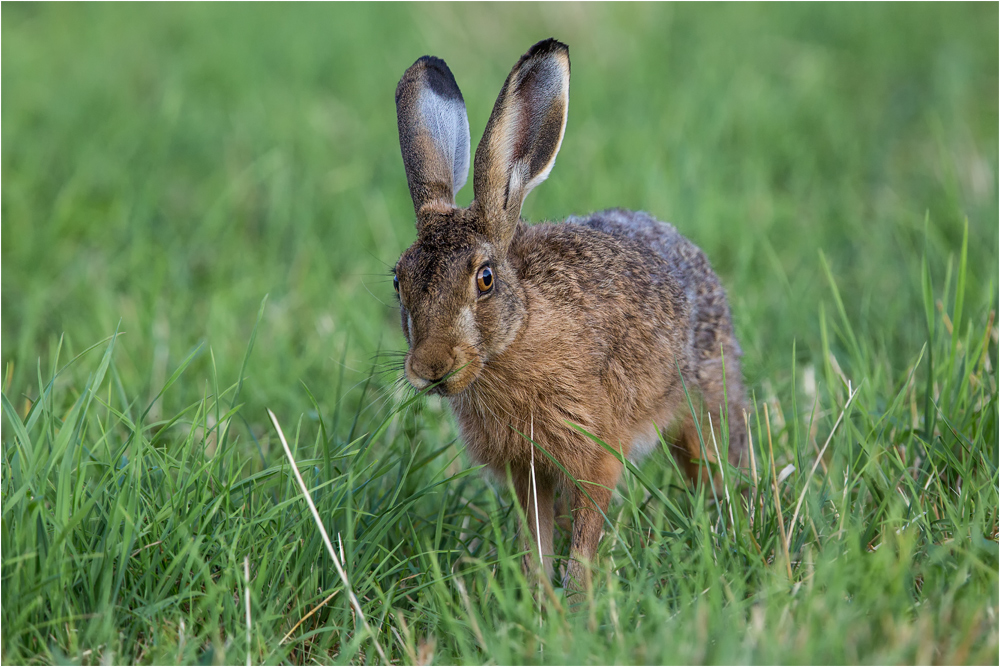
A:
{"x":485,"y":279}
{"x":395,"y":283}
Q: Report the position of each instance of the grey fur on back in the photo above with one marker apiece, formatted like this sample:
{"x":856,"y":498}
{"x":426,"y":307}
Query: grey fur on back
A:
{"x":710,"y":324}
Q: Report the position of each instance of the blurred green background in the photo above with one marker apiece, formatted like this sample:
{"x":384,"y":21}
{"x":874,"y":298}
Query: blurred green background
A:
{"x":166,"y":166}
{"x":169,"y":165}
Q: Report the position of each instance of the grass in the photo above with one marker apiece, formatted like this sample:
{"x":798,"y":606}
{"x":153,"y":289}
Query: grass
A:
{"x":199,"y":204}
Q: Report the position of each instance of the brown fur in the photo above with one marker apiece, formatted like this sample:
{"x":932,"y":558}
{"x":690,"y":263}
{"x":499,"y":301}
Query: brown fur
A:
{"x":598,"y":321}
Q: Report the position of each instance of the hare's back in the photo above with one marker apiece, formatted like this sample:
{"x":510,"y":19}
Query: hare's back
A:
{"x":710,"y":319}
{"x":684,"y":257}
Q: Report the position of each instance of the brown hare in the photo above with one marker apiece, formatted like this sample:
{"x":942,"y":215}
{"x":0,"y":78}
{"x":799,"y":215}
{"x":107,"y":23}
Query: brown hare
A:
{"x":593,"y":321}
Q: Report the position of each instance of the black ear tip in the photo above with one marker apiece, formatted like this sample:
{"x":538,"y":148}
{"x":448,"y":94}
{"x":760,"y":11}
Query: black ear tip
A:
{"x":542,"y":51}
{"x":547,"y":46}
{"x":436,"y":75}
{"x":432,"y":62}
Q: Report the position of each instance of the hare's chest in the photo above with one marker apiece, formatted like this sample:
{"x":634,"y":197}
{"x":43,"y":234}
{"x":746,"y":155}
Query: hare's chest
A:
{"x":493,"y":434}
{"x":500,"y":433}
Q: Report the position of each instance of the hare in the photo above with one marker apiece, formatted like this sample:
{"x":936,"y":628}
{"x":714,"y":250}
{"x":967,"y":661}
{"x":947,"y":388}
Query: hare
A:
{"x":599,"y":322}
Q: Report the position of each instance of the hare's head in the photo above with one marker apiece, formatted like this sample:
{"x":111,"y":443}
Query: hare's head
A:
{"x":461,"y":302}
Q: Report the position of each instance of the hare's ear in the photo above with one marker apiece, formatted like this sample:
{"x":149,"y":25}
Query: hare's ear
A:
{"x":433,"y":132}
{"x":522,"y":136}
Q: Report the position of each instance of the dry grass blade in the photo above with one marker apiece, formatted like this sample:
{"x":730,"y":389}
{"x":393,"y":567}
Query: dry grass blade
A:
{"x":326,"y":538}
{"x":306,"y":617}
{"x":538,"y":530}
{"x":472,"y":617}
{"x":819,"y":457}
{"x":753,"y":468}
{"x":408,"y":644}
{"x":246,"y":600}
{"x":777,"y":493}
{"x":722,"y":468}
{"x":534,"y":491}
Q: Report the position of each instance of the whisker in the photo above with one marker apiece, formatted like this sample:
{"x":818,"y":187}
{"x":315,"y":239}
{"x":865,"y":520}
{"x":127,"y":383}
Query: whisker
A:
{"x":365,"y":285}
{"x":389,"y":266}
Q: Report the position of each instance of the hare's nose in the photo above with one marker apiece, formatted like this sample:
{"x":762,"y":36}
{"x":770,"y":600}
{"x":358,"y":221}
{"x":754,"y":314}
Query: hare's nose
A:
{"x":430,"y":363}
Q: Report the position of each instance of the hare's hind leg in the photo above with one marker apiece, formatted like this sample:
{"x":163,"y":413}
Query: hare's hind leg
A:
{"x":725,"y":391}
{"x":719,"y":391}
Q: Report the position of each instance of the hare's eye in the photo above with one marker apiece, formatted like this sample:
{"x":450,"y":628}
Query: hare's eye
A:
{"x":485,"y":279}
{"x":395,"y":283}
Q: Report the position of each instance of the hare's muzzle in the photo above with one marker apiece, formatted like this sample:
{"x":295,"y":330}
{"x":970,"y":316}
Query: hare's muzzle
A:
{"x":429,"y":364}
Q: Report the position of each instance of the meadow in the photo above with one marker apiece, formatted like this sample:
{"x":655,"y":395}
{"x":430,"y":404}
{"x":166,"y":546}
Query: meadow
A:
{"x":201,"y":206}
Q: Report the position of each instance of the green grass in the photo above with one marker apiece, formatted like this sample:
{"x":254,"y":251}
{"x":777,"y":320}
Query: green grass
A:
{"x":167,"y":167}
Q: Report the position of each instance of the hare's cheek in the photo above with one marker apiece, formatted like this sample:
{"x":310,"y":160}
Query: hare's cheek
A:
{"x":489,"y":329}
{"x":465,"y":327}
{"x":406,"y":323}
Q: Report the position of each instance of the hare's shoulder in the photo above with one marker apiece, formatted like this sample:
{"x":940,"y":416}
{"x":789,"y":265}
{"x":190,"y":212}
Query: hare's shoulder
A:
{"x":612,"y":278}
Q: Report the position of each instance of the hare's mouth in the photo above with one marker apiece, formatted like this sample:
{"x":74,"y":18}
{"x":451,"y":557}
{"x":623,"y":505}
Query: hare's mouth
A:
{"x":464,"y":370}
{"x":460,"y":379}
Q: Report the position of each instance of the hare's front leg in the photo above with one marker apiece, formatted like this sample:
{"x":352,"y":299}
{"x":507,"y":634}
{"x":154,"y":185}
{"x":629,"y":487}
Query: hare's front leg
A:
{"x":539,"y":533}
{"x":588,"y":518}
